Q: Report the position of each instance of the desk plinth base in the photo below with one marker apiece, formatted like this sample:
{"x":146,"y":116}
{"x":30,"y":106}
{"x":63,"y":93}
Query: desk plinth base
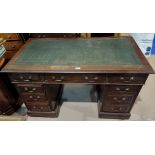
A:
{"x":114,"y":115}
{"x":52,"y":114}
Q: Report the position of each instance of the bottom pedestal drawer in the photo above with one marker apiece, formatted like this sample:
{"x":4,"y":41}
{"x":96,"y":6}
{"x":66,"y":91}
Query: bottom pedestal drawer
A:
{"x":44,"y":107}
{"x":116,"y":109}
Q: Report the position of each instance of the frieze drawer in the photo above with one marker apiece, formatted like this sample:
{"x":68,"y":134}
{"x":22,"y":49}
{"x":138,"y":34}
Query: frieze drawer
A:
{"x":127,"y":78}
{"x":122,"y":88}
{"x":75,"y":78}
{"x":26,"y":77}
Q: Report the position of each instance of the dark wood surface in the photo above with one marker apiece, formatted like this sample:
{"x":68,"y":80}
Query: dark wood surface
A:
{"x":41,"y":87}
{"x":8,"y":96}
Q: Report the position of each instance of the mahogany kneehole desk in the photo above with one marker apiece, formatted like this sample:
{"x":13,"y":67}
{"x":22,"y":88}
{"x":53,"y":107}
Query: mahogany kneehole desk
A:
{"x":115,"y":65}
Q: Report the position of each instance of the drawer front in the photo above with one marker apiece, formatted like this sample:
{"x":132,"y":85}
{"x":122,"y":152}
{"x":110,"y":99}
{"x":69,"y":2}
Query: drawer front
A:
{"x":13,"y":45}
{"x":116,"y":109}
{"x":75,"y":78}
{"x":118,"y":99}
{"x":123,"y":88}
{"x":54,"y":35}
{"x":10,"y":36}
{"x":33,"y":88}
{"x":23,"y":77}
{"x":40,"y":107}
{"x":127,"y":78}
{"x":34,"y":97}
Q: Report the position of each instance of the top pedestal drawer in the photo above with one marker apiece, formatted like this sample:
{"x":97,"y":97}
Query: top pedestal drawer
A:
{"x":127,"y":78}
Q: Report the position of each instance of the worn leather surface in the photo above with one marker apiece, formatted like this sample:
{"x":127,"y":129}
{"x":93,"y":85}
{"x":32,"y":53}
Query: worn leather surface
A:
{"x":95,"y":52}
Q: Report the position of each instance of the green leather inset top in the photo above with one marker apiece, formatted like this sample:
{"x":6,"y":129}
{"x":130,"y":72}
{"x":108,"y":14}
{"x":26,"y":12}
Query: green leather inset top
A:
{"x":93,"y":52}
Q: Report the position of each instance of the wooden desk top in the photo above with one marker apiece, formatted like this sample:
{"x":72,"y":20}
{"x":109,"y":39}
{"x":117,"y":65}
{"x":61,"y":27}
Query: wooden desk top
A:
{"x":104,"y":55}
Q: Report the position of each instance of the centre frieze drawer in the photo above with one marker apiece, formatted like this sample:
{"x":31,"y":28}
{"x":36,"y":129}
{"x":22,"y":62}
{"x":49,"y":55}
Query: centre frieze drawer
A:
{"x":75,"y":78}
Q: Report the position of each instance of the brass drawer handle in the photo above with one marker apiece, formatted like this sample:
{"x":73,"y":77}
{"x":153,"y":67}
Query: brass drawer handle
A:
{"x":30,"y":96}
{"x":26,"y":89}
{"x":119,"y":100}
{"x":59,"y":80}
{"x":38,"y":96}
{"x":132,"y":78}
{"x":21,"y":77}
{"x":119,"y":89}
{"x":26,"y":80}
{"x":122,"y":78}
{"x":117,"y":109}
{"x":53,"y":77}
{"x":96,"y":78}
{"x":86,"y":78}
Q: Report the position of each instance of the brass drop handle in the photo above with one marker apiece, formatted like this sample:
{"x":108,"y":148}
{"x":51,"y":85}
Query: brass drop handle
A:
{"x":86,"y":78}
{"x":26,"y":88}
{"x":119,"y":89}
{"x":132,"y":78}
{"x":119,"y":100}
{"x":30,"y":96}
{"x":117,"y":108}
{"x":122,"y":78}
{"x":21,"y":77}
{"x":127,"y":89}
{"x":38,"y":96}
{"x":32,"y":90}
{"x":96,"y":78}
{"x":53,"y":77}
{"x":26,"y":80}
{"x":59,"y":80}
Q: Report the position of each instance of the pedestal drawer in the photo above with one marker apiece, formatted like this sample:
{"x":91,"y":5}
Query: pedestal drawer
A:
{"x":34,"y":97}
{"x":30,"y":88}
{"x":40,"y":107}
{"x":118,"y":99}
{"x":116,"y":109}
